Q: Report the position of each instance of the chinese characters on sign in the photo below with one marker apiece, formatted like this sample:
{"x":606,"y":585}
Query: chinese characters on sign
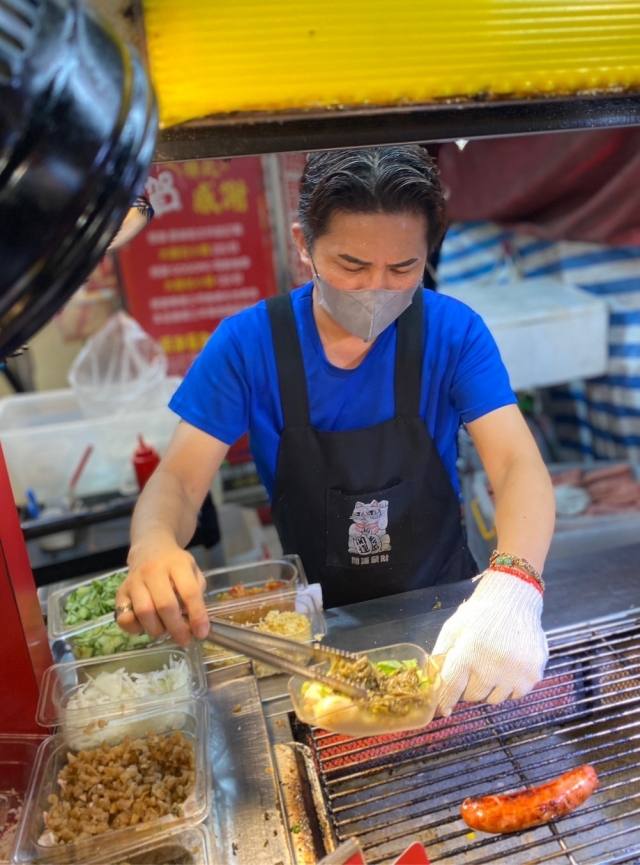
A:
{"x":206,"y":255}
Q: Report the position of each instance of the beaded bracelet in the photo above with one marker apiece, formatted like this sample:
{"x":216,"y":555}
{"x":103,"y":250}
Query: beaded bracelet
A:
{"x":515,"y":562}
{"x":503,"y":569}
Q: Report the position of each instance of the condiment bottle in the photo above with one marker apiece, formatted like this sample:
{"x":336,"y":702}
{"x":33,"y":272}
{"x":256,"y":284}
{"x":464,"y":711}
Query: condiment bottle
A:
{"x":145,"y":461}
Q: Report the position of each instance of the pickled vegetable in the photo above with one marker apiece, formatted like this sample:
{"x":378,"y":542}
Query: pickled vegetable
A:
{"x":106,"y":639}
{"x":94,"y":600}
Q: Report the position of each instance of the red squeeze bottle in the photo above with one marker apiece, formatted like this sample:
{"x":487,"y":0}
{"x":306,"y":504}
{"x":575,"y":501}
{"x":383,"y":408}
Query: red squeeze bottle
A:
{"x":145,"y":461}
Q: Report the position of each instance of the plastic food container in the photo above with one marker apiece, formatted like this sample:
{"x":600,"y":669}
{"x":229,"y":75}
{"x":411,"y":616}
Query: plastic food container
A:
{"x":17,"y":757}
{"x":341,"y":714}
{"x":53,"y":756}
{"x":223,"y":585}
{"x":88,"y":725}
{"x":98,"y":641}
{"x":57,"y":602}
{"x":244,"y":582}
{"x":189,"y":847}
{"x":251,"y":613}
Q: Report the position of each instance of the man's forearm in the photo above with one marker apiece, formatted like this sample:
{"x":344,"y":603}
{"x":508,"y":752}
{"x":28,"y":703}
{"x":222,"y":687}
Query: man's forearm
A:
{"x":525,"y":511}
{"x":163,"y":511}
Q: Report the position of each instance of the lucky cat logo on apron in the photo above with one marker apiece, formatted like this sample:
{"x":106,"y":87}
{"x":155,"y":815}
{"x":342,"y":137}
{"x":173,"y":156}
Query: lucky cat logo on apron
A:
{"x":368,"y":531}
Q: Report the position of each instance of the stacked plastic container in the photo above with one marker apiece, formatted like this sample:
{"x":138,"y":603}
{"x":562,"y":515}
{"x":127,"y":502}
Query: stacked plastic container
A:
{"x":271,"y":596}
{"x":17,"y":758}
{"x":276,"y":580}
{"x":95,"y":708}
{"x":95,"y":701}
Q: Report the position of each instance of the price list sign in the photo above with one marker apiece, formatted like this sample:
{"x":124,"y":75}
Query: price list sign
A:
{"x":206,"y":254}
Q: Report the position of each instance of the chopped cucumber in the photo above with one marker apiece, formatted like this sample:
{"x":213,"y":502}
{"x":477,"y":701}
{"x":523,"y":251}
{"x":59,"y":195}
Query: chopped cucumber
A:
{"x":106,"y":640}
{"x":90,"y":602}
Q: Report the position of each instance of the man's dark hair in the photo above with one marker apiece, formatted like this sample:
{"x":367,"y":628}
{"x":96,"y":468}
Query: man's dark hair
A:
{"x":371,"y":180}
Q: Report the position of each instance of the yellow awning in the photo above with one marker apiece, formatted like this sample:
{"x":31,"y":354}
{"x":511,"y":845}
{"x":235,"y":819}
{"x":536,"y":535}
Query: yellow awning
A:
{"x":218,"y":56}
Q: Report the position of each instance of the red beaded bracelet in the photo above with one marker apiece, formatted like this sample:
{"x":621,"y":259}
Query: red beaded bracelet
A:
{"x":519,"y":574}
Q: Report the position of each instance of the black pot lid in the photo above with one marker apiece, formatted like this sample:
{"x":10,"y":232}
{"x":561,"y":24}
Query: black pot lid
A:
{"x":78,"y":123}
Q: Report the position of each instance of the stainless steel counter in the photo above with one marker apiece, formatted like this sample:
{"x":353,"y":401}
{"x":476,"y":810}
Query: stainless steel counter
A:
{"x":578,"y":589}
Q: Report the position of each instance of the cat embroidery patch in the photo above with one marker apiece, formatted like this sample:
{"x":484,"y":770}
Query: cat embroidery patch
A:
{"x":368,"y":530}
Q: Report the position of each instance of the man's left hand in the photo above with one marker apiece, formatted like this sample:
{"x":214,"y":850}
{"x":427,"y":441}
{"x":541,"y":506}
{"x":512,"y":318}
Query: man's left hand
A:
{"x":494,"y":643}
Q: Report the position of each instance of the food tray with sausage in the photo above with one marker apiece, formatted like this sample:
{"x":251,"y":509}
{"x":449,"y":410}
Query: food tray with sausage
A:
{"x":552,"y":776}
{"x":101,"y":801}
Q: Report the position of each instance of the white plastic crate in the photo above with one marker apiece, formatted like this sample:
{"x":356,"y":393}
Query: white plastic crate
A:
{"x":44,"y":435}
{"x":548,"y":332}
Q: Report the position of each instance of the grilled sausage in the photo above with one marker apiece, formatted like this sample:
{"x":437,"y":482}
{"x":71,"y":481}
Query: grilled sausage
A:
{"x":515,"y":811}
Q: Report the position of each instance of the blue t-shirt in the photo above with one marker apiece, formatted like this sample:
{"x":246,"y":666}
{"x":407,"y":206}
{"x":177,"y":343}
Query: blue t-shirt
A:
{"x":232,"y":385}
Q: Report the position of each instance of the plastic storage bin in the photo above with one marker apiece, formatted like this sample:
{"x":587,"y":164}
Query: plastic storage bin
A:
{"x":548,"y":332}
{"x":43,"y":435}
{"x":17,"y":758}
{"x":53,"y":756}
{"x":341,"y":714}
{"x":88,"y":725}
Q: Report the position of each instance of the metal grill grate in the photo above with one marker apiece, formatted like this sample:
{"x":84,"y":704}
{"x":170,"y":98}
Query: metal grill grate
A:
{"x":391,"y":790}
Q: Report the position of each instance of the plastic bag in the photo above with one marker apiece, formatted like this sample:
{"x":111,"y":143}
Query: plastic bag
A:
{"x":119,"y":369}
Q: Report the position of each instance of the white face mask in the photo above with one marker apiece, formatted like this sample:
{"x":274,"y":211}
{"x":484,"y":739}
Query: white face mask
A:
{"x":366,"y":312}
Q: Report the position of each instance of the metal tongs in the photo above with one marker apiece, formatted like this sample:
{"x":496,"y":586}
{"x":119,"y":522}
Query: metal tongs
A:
{"x":286,"y":655}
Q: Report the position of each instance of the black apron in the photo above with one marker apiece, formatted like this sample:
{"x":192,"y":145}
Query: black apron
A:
{"x":370,"y":511}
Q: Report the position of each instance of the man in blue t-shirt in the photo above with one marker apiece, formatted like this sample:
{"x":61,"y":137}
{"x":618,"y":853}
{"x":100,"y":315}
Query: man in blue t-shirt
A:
{"x":353,"y":389}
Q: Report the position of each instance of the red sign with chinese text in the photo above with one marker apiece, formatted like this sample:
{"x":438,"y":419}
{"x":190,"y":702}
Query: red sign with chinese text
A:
{"x":206,"y":254}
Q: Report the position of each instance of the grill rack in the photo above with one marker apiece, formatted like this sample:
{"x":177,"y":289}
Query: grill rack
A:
{"x":389,"y":791}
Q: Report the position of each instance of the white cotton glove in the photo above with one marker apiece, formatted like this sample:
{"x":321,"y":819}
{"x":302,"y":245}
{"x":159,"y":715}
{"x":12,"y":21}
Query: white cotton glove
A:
{"x":494,"y":643}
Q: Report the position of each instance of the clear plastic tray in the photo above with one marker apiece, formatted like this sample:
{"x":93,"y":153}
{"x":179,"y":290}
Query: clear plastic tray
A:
{"x":250,"y":613}
{"x":347,"y":716}
{"x":253,"y":579}
{"x":53,"y":756}
{"x":17,"y":757}
{"x":88,"y":727}
{"x":57,"y":601}
{"x":95,"y":642}
{"x":189,"y":847}
{"x":242,"y":582}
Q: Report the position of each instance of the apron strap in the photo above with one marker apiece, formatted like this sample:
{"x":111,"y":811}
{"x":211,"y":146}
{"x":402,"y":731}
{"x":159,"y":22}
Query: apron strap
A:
{"x":409,"y":348}
{"x":292,"y":377}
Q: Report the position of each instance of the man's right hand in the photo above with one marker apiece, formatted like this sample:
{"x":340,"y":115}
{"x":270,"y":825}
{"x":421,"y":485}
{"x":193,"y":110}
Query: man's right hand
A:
{"x":163,"y":582}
